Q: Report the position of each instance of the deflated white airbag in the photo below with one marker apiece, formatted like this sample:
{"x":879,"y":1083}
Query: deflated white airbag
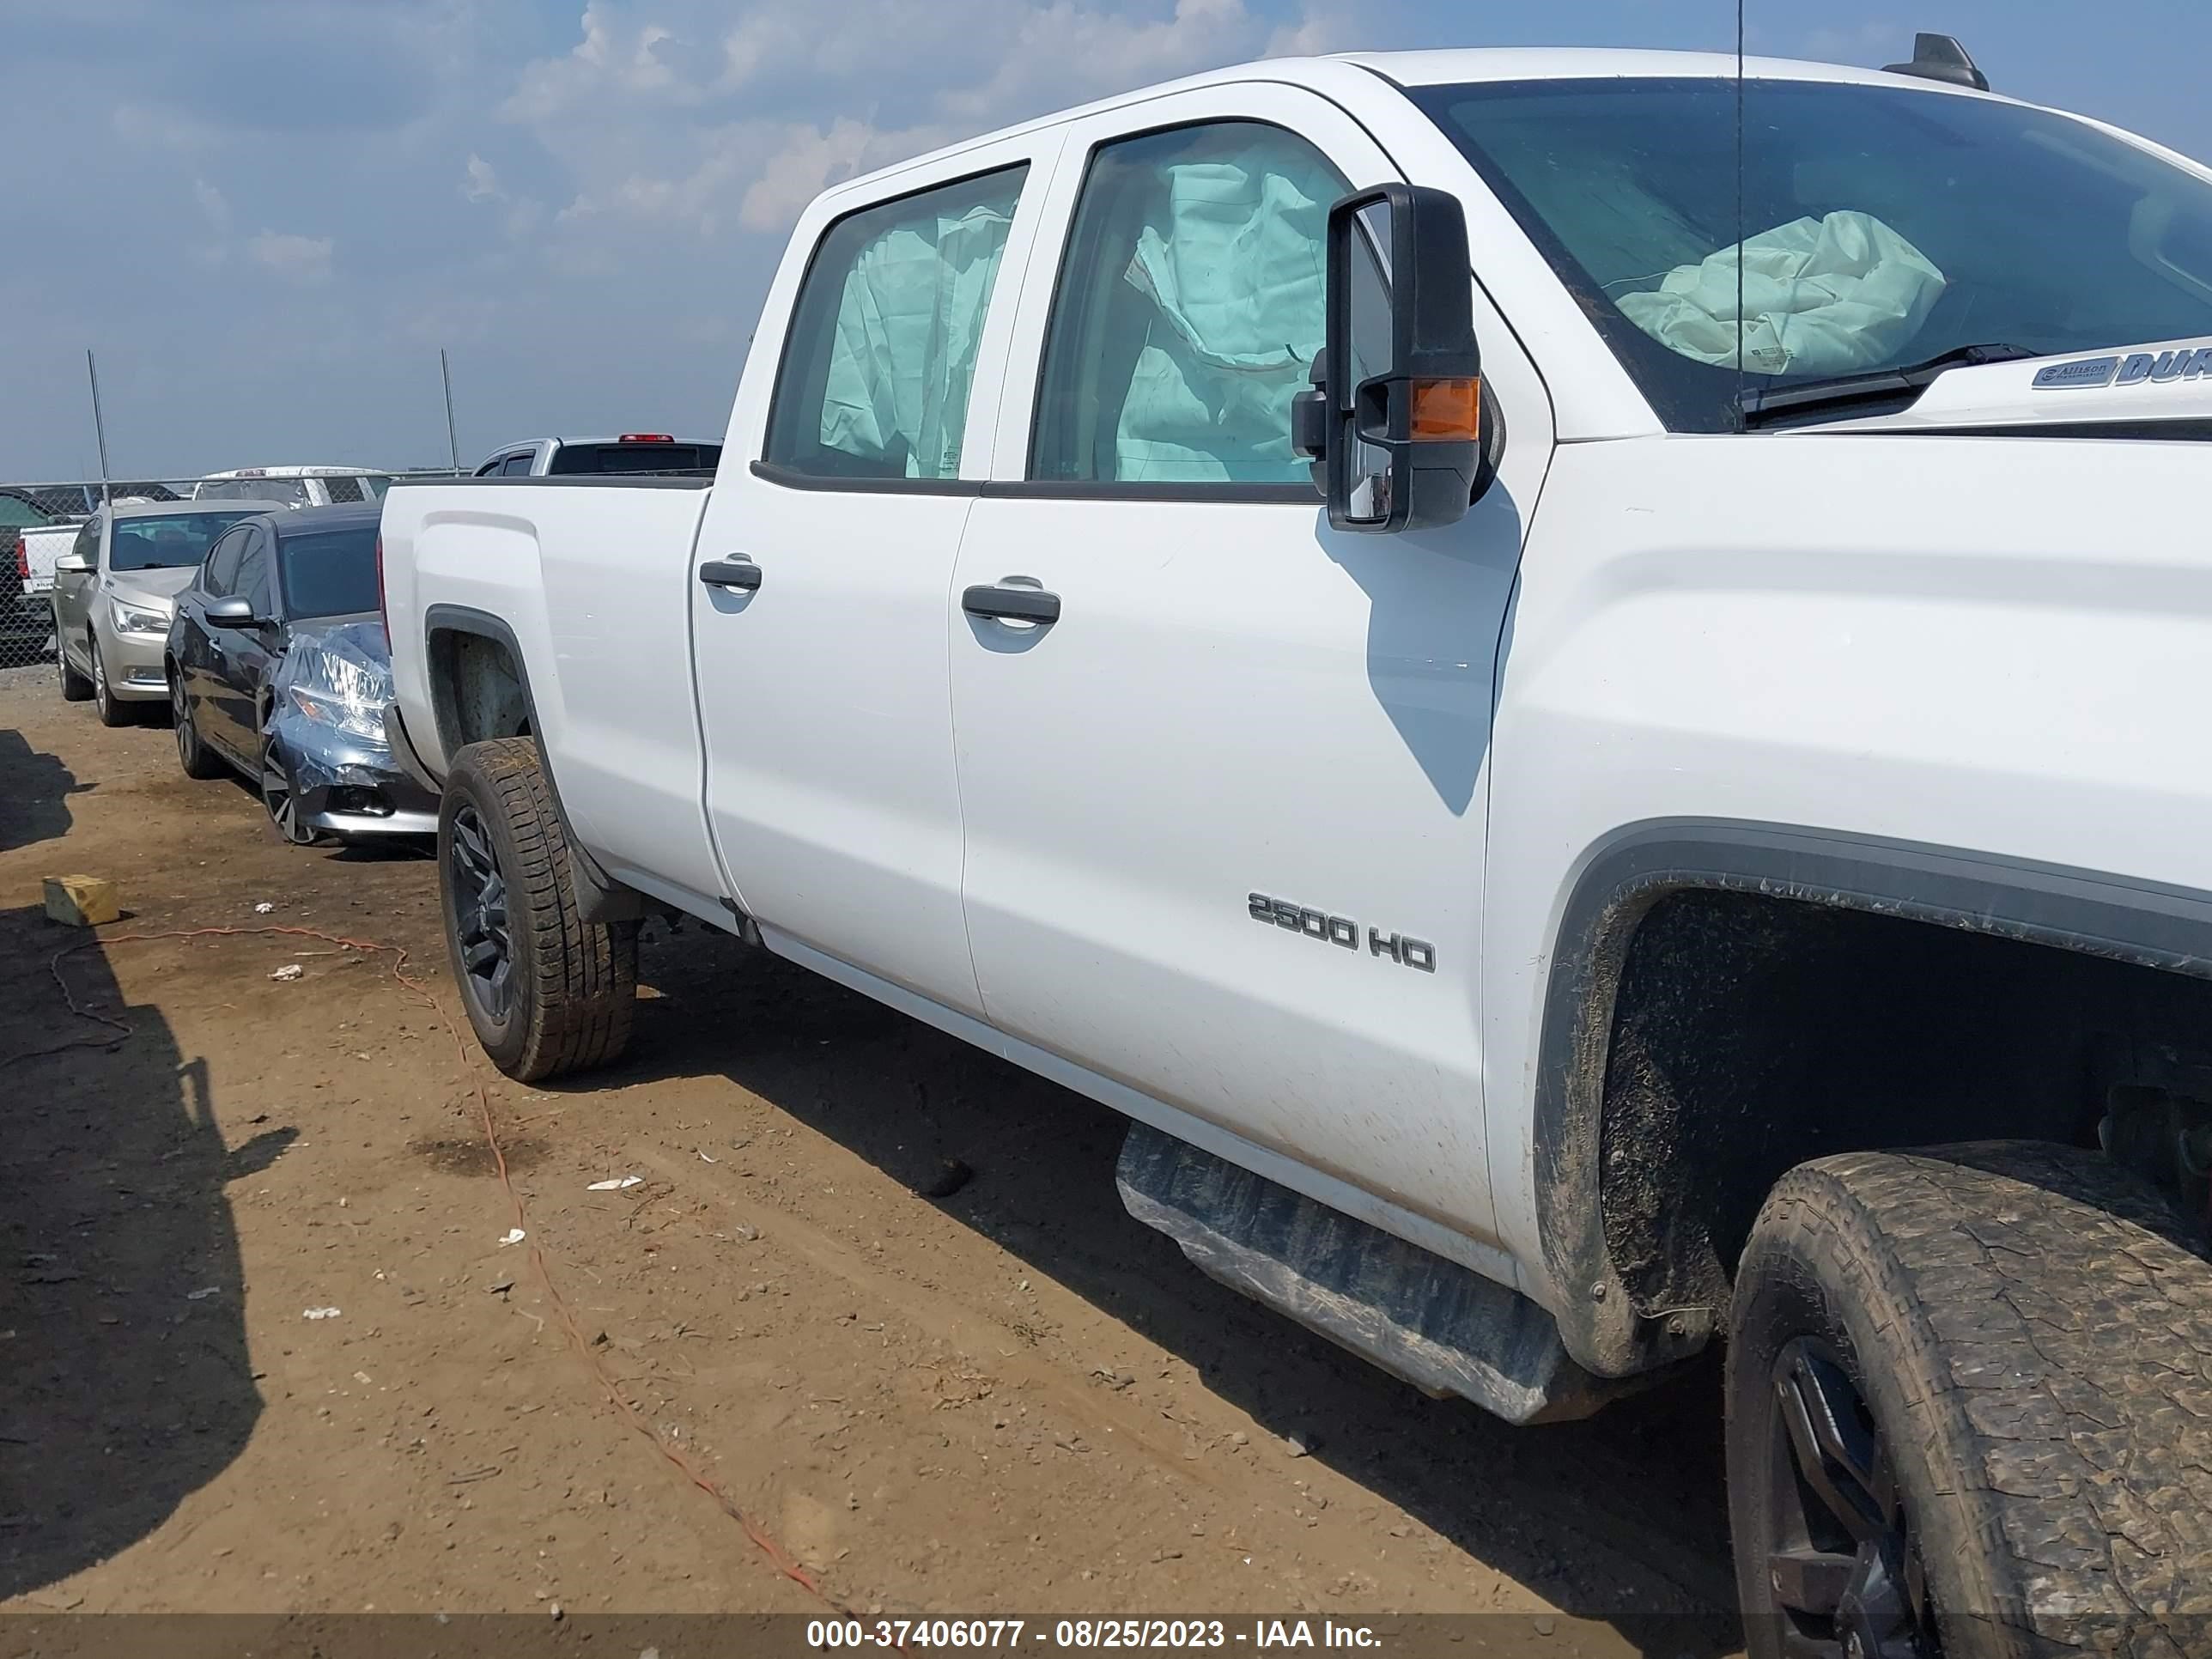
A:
{"x":1821,"y":296}
{"x":909,"y":326}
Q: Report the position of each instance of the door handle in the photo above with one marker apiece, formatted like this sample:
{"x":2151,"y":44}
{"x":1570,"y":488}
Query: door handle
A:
{"x":1007,"y":602}
{"x":738,"y":572}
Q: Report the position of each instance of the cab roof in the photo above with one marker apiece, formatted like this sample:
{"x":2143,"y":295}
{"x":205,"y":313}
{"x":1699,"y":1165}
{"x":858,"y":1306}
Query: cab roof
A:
{"x":1428,"y":69}
{"x":1439,"y":68}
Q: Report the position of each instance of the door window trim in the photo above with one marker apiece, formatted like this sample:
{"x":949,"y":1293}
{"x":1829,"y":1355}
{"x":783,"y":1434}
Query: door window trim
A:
{"x":785,"y":477}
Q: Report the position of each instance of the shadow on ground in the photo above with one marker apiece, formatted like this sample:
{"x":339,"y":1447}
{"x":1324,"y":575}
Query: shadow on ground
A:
{"x":122,"y":1330}
{"x":1622,"y":1518}
{"x":35,"y":791}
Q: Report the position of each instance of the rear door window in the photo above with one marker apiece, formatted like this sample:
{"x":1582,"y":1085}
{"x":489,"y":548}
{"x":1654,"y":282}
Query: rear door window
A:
{"x":881,"y":356}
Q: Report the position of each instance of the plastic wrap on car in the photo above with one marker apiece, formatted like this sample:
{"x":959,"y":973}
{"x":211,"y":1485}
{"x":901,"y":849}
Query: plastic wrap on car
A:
{"x":348,"y":665}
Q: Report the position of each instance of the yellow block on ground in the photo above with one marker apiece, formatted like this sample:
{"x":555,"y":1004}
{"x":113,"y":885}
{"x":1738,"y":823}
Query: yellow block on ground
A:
{"x":81,"y":901}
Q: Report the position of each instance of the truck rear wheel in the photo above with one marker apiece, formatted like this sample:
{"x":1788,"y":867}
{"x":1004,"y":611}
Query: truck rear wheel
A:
{"x":1970,"y":1409}
{"x":547,"y":991}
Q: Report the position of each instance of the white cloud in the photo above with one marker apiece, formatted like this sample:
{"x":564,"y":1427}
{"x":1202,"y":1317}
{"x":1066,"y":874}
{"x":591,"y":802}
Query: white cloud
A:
{"x":811,"y":159}
{"x":296,"y":258}
{"x":482,"y":183}
{"x":636,"y":62}
{"x":777,"y":104}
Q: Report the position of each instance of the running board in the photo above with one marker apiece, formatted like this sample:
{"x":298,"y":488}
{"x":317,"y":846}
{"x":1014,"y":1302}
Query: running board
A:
{"x":1426,"y":1320}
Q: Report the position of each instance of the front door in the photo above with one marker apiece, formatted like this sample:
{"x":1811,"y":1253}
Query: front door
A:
{"x":74,"y":592}
{"x":821,"y":572}
{"x":238,"y":656}
{"x":195,"y":643}
{"x":1225,"y":814}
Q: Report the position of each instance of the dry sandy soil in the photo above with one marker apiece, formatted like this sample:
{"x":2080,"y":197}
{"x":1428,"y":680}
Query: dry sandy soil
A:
{"x":1012,"y":1398}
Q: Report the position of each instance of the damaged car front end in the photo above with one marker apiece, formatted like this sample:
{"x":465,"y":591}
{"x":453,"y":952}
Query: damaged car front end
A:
{"x":327,"y":766}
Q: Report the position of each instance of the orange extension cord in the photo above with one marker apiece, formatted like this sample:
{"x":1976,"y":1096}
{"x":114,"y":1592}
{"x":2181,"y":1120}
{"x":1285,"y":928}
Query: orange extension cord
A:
{"x":782,"y":1560}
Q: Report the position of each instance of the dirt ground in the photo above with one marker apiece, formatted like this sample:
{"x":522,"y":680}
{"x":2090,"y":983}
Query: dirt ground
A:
{"x":1012,"y":1398}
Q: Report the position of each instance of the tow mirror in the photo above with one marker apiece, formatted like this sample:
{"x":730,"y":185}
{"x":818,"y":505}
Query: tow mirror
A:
{"x":1394,"y":423}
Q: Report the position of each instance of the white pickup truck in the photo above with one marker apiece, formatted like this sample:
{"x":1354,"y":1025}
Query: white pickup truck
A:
{"x":1658,"y":796}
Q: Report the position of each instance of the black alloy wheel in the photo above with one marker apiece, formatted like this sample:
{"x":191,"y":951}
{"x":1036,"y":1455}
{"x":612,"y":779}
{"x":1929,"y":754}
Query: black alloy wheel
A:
{"x":282,"y":801}
{"x":479,"y":907}
{"x":1844,"y":1567}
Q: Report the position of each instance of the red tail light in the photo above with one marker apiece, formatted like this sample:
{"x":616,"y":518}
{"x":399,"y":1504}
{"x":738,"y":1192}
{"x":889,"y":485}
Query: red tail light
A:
{"x":22,"y":557}
{"x":645,"y":438}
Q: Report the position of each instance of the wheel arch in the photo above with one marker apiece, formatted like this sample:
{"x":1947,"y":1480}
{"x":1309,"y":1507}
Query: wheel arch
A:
{"x":2075,"y":925}
{"x":479,"y":690}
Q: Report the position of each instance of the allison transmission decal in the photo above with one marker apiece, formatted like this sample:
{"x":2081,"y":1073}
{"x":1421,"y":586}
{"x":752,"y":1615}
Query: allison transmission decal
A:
{"x":2096,"y":373}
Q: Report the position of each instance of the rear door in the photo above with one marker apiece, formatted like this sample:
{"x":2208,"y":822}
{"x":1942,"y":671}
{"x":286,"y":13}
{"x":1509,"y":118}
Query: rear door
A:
{"x":1225,"y":813}
{"x":859,"y":441}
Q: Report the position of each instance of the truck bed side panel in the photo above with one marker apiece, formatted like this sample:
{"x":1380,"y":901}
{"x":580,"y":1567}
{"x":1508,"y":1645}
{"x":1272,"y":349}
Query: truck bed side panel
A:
{"x":590,"y":580}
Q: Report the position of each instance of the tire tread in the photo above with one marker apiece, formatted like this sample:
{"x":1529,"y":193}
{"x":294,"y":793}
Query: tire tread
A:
{"x":579,"y":1005}
{"x":2050,"y":1322}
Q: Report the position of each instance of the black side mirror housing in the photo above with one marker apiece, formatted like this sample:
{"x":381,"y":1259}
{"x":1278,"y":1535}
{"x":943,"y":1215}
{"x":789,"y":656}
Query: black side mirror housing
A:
{"x":1393,"y":424}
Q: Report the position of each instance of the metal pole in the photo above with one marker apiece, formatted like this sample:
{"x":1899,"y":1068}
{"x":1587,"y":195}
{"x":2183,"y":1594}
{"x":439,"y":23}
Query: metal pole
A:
{"x":452,"y":443}
{"x":99,"y":424}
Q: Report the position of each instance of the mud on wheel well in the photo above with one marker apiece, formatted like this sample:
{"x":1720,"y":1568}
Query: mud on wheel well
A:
{"x":477,"y":689}
{"x":1750,"y":1033}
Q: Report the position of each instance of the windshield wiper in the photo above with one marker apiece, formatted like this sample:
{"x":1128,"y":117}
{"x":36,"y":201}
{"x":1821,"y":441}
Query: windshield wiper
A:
{"x":1755,"y":407}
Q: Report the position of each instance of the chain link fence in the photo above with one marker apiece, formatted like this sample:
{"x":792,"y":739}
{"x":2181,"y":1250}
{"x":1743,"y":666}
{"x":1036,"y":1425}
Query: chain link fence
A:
{"x":42,"y":524}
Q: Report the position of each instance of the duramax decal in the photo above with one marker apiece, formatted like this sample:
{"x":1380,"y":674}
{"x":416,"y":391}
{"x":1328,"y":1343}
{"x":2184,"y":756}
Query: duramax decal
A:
{"x":1416,"y":953}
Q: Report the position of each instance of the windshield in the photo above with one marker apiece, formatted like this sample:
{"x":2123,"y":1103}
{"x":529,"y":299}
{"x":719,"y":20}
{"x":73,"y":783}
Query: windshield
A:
{"x":166,"y":542}
{"x":1883,"y":225}
{"x":331,"y":572}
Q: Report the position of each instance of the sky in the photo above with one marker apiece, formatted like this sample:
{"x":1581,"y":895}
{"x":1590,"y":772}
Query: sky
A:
{"x":267,"y":216}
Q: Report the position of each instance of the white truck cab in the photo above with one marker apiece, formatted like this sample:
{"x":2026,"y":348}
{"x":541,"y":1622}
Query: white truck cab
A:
{"x":1649,"y":798}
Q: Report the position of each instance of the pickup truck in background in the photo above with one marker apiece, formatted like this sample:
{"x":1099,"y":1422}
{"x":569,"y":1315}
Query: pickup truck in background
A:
{"x":632,"y":453}
{"x":294,"y":486}
{"x":1581,"y":818}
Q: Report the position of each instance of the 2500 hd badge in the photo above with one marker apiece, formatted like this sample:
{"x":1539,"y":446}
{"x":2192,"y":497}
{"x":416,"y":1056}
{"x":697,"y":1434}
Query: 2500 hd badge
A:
{"x":1341,"y":930}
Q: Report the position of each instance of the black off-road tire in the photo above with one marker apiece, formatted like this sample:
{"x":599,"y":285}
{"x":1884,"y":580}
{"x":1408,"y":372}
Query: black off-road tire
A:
{"x":574,"y":982}
{"x":2029,"y":1329}
{"x":76,"y":687}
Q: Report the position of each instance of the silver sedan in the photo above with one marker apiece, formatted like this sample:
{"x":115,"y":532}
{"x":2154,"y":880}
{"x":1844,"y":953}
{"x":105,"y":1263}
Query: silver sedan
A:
{"x":115,"y":593}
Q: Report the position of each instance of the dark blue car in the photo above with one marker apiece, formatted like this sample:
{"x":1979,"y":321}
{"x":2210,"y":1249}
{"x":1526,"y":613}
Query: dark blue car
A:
{"x":278,"y":668}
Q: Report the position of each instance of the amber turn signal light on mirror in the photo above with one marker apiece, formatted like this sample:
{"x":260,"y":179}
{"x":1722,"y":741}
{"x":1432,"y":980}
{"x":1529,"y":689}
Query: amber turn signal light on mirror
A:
{"x":1446,"y":410}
